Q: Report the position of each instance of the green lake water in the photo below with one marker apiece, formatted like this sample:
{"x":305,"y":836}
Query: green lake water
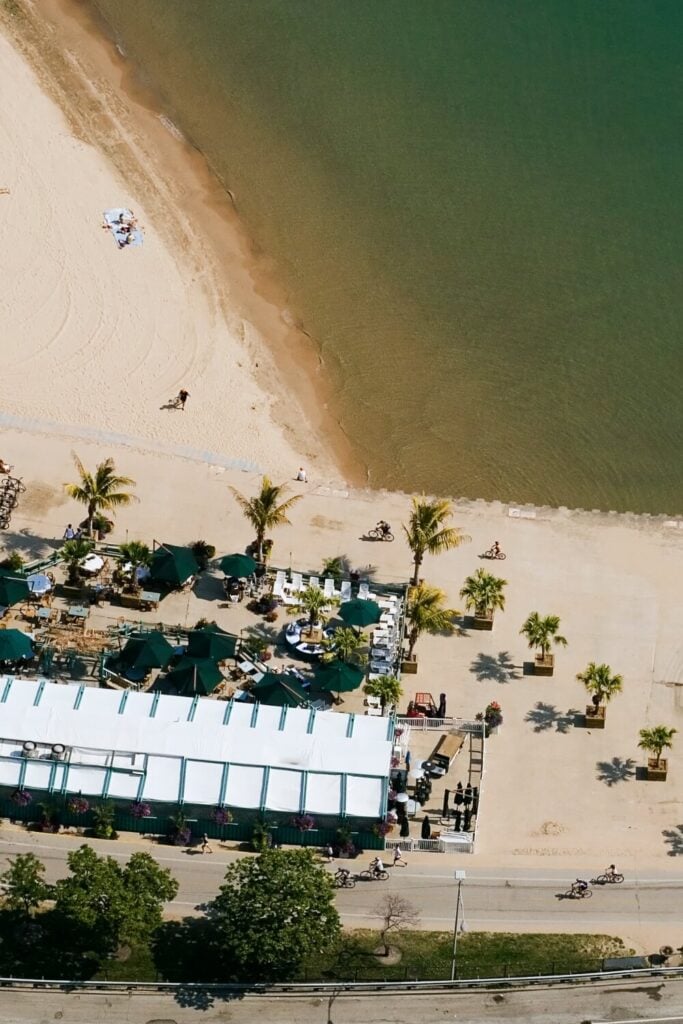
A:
{"x":475,"y":206}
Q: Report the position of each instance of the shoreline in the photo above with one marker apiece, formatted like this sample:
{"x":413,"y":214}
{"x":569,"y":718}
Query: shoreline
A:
{"x":106,"y":106}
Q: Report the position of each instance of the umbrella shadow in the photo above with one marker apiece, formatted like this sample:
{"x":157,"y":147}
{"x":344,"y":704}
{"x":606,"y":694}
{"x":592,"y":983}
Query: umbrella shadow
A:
{"x":207,"y":587}
{"x":495,"y":668}
{"x":619,"y":769}
{"x":545,"y":716}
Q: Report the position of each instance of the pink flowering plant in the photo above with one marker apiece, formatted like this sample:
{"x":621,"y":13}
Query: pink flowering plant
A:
{"x":139,"y":809}
{"x":304,"y":822}
{"x":77,"y":805}
{"x":21,"y":797}
{"x":221,"y":816}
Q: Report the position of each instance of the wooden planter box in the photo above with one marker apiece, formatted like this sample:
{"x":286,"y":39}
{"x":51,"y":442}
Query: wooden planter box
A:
{"x":484,"y":621}
{"x":409,"y":666}
{"x":657,"y":773}
{"x":129,"y":600}
{"x":544,"y":666}
{"x":595,"y":719}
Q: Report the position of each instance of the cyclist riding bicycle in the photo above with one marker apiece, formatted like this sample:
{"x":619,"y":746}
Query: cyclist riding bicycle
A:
{"x":580,"y":885}
{"x":376,"y":866}
{"x":343,"y":873}
{"x":495,"y":550}
{"x":611,"y":871}
{"x":383,"y":527}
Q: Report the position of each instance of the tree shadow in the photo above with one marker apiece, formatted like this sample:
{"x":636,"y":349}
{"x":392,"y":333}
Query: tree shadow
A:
{"x":496,"y":668}
{"x":29,"y":545}
{"x":619,"y":769}
{"x":673,"y":837}
{"x":545,"y":716}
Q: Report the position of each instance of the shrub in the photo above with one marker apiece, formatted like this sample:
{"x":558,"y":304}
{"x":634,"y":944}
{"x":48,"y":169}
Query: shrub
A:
{"x":103,"y":822}
{"x":77,"y":805}
{"x":493,"y":716}
{"x":179,"y":832}
{"x":304,"y":822}
{"x":14,"y":561}
{"x":261,"y":837}
{"x":221,"y":816}
{"x":271,"y":616}
{"x":140,"y":810}
{"x":203,"y":552}
{"x":382,"y":828}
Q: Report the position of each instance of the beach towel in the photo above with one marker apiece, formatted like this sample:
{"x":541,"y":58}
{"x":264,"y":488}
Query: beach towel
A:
{"x":112,"y":217}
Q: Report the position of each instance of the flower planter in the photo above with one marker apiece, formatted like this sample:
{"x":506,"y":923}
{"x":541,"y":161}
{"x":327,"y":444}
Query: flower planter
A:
{"x":595,"y":717}
{"x":483,"y":620}
{"x":409,"y":665}
{"x":657,"y":772}
{"x":544,"y":666}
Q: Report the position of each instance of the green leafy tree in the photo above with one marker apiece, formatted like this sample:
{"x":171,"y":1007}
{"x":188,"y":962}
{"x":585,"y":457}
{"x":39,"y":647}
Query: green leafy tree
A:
{"x":426,"y":613}
{"x":333,"y":567}
{"x":657,"y":739}
{"x":102,"y":904}
{"x":267,"y":510}
{"x":272,"y":912}
{"x":313,"y":602}
{"x":600,"y":683}
{"x":346,"y":644}
{"x":387,"y":689}
{"x":428,"y":531}
{"x":483,"y":592}
{"x":24,"y":888}
{"x":73,"y":552}
{"x":542,"y":633}
{"x":101,"y":491}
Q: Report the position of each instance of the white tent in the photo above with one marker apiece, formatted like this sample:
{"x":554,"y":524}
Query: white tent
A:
{"x":154,"y":747}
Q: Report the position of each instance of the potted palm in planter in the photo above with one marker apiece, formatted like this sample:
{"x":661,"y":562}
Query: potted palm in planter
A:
{"x":599,"y":682}
{"x":426,"y":613}
{"x":655,"y":740}
{"x":542,"y":633}
{"x":313,"y":601}
{"x":483,"y":593}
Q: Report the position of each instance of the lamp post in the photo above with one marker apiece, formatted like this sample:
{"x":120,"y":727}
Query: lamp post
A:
{"x":460,"y":878}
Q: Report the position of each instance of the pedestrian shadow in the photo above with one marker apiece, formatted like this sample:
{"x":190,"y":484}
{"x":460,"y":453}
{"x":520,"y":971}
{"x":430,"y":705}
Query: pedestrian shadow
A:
{"x":495,"y":668}
{"x":546,"y":716}
{"x":172,"y":403}
{"x":673,"y":837}
{"x":619,"y":769}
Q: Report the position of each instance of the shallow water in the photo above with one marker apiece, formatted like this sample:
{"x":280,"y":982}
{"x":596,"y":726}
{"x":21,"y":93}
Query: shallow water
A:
{"x":476,"y":209}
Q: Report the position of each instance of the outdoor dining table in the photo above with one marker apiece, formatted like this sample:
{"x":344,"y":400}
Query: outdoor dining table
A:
{"x":310,"y":649}
{"x":39,"y":584}
{"x":77,"y":611}
{"x":150,"y":597}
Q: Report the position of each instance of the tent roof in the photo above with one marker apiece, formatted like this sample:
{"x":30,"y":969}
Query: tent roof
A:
{"x":132,"y":746}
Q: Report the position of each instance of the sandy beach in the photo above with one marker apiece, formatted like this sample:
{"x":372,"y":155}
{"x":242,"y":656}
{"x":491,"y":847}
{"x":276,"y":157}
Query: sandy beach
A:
{"x":99,"y":339}
{"x":96,"y":340}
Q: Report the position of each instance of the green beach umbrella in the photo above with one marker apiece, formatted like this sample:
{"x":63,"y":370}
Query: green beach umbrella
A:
{"x":211,"y":643}
{"x":173,"y":565}
{"x":195,"y":676}
{"x":238,"y":565}
{"x":13,"y":589}
{"x":280,"y":691}
{"x":14,"y":645}
{"x":360,"y":613}
{"x":338,"y":677}
{"x":144,"y":652}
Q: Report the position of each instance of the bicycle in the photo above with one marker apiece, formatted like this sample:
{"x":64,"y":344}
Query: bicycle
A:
{"x":500,"y":555}
{"x":369,"y":875}
{"x":15,"y":484}
{"x":344,"y":879}
{"x":609,"y":878}
{"x":578,"y":893}
{"x":378,"y":534}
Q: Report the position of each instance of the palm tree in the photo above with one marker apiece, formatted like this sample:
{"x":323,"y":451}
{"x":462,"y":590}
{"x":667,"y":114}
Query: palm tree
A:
{"x":600,"y":682}
{"x":313,"y":601}
{"x":137,"y":554}
{"x":73,"y":552}
{"x":333,"y":567}
{"x":484,"y":593}
{"x":345,"y":645}
{"x":387,"y":688}
{"x":657,"y":739}
{"x":427,"y":531}
{"x":542,"y":633}
{"x":264,"y":512}
{"x":101,"y":491}
{"x":426,"y":614}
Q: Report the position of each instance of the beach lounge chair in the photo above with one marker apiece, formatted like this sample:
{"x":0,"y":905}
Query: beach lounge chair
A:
{"x":346,"y":590}
{"x":279,"y":585}
{"x":297,"y":582}
{"x":314,"y":582}
{"x":329,"y":587}
{"x":364,"y":591}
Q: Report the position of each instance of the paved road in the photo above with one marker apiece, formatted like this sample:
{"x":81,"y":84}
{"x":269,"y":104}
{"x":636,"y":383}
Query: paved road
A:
{"x":514,"y":900}
{"x":612,"y":1003}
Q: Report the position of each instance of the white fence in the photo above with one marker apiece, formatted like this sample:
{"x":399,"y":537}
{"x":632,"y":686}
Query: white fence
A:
{"x":429,"y":724}
{"x":456,"y":842}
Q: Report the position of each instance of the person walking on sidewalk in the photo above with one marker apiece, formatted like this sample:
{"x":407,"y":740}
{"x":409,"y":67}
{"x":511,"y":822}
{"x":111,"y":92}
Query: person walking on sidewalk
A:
{"x":205,"y":844}
{"x":398,"y":858}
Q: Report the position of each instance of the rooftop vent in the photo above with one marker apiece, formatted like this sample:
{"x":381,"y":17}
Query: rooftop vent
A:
{"x":29,"y":749}
{"x":58,"y":752}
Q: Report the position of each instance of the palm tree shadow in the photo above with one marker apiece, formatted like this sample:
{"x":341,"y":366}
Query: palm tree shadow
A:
{"x":497,"y":668}
{"x":619,"y":769}
{"x":673,"y":837}
{"x":544,"y":716}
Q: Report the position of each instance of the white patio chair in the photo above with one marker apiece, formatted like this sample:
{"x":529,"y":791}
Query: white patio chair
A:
{"x":329,"y":587}
{"x":364,"y":591}
{"x":346,"y":590}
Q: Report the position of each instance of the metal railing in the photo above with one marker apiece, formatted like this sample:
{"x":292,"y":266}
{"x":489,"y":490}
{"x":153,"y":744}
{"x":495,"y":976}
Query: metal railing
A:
{"x":340,"y":987}
{"x":429,"y":724}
